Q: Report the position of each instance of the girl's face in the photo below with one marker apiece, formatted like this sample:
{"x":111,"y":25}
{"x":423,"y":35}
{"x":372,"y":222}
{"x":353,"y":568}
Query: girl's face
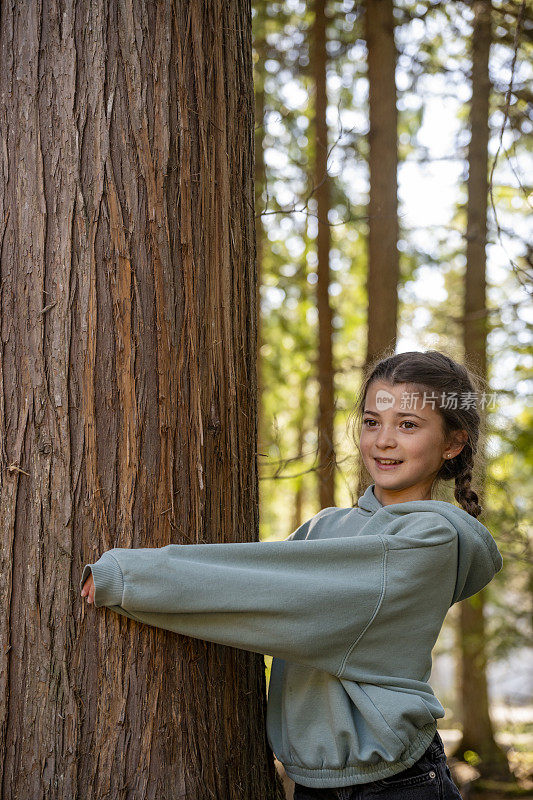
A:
{"x":409,"y":432}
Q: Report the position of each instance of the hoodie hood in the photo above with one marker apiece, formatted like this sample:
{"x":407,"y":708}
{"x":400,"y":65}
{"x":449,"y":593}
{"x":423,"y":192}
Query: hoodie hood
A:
{"x":478,"y":556}
{"x":368,"y":502}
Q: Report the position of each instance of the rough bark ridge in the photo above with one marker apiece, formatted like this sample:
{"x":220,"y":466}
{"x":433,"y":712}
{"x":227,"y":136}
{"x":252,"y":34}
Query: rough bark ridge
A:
{"x":127,"y":388}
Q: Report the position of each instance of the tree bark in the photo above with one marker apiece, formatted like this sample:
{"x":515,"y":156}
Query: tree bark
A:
{"x":326,"y":402}
{"x":478,"y":733}
{"x":128,"y":389}
{"x":383,"y":257}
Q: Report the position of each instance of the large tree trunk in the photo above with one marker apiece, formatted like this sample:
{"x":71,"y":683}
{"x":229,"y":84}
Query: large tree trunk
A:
{"x":478,"y":734}
{"x":326,"y":406}
{"x":383,"y":257}
{"x":128,"y":377}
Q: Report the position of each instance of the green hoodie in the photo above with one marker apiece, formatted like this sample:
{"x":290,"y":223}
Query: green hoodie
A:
{"x":350,"y":605}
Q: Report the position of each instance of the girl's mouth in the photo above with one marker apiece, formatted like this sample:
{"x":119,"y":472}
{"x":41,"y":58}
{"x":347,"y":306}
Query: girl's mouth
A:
{"x":386,"y":465}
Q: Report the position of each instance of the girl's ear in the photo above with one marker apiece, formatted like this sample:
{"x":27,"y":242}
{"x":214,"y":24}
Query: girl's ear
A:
{"x":457,"y":441}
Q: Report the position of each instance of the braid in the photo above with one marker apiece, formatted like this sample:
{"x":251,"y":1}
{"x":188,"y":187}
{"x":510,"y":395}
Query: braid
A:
{"x":465,"y":495}
{"x":460,"y":468}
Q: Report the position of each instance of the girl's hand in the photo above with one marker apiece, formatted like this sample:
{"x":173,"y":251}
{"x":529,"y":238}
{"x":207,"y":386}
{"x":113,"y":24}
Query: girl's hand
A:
{"x":88,"y":589}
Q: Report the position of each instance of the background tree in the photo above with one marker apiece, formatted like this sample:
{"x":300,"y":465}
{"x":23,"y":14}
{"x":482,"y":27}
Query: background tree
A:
{"x":477,"y":728}
{"x":383,"y":269}
{"x":259,"y":56}
{"x":383,"y":257}
{"x":128,"y":375}
{"x":325,"y":421}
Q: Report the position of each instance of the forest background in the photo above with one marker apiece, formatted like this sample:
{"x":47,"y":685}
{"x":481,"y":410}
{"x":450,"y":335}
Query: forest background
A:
{"x":311,"y":79}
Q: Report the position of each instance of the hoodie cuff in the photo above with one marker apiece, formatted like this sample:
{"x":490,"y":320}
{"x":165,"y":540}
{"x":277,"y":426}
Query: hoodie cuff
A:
{"x":108,"y":580}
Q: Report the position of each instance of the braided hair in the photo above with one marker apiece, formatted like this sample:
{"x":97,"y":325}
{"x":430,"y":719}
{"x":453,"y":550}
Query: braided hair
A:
{"x":434,"y":371}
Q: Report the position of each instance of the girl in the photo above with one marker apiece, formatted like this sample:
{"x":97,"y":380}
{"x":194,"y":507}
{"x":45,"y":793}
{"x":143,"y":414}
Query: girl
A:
{"x":351,"y":604}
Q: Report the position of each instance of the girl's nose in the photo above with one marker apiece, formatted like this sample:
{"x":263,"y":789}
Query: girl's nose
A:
{"x":385,"y":437}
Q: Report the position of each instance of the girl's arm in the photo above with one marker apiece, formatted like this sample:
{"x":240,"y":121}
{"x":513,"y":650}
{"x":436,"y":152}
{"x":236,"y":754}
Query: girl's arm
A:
{"x":310,"y":601}
{"x":305,"y":601}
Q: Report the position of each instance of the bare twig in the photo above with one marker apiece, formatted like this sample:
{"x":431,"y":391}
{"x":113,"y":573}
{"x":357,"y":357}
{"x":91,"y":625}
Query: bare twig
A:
{"x":314,"y":187}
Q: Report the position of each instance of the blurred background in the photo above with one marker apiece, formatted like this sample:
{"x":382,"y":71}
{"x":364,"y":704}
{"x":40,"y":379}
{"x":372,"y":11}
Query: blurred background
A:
{"x":393,"y":212}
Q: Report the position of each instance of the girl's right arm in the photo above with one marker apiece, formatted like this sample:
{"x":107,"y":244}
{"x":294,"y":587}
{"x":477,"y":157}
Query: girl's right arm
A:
{"x":305,"y":601}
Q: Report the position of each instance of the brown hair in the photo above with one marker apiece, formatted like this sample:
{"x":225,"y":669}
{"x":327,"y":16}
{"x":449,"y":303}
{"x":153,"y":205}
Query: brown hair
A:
{"x":436,"y":372}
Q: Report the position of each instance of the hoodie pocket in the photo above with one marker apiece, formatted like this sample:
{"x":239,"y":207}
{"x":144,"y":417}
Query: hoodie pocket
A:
{"x":406,"y":713}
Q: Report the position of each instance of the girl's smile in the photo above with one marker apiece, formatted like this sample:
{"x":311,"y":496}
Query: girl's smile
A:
{"x":384,"y":465}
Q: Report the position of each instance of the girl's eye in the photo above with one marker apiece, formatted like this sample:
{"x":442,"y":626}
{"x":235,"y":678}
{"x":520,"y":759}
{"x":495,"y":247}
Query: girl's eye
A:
{"x":408,"y":421}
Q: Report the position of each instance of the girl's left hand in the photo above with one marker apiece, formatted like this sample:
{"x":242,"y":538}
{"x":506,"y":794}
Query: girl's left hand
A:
{"x":88,"y":589}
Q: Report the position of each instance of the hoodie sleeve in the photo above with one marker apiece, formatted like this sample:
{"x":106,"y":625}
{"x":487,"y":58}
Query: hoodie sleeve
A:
{"x":304,"y":601}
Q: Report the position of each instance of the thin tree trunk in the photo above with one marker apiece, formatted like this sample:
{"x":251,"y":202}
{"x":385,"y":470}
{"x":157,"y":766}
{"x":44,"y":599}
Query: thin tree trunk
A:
{"x":326,"y":407}
{"x":383,"y":257}
{"x":128,"y":389}
{"x":297,"y":515}
{"x":260,"y":184}
{"x":478,"y":733}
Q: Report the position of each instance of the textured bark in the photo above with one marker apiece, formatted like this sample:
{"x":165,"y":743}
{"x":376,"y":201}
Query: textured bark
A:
{"x":127,"y":389}
{"x":326,"y":400}
{"x":478,"y":733}
{"x":383,"y":257}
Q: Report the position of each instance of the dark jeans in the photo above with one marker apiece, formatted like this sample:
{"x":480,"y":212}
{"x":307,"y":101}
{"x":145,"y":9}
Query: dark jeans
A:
{"x":429,"y":778}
